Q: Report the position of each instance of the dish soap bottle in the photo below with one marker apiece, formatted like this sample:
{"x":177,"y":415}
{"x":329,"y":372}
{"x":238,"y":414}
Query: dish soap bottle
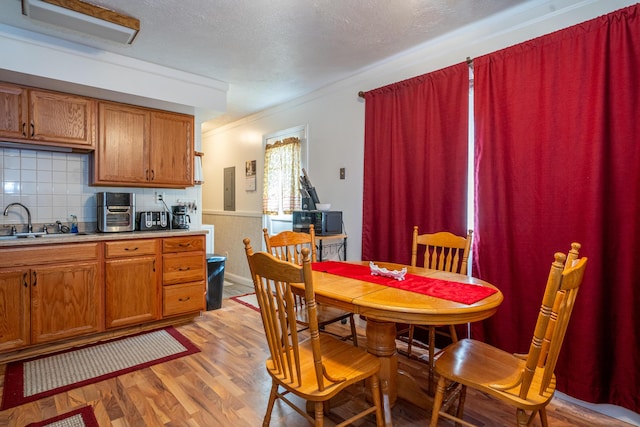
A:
{"x":74,"y":224}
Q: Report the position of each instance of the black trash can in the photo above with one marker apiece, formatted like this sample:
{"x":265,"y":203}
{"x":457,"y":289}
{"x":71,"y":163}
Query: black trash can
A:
{"x":215,"y":280}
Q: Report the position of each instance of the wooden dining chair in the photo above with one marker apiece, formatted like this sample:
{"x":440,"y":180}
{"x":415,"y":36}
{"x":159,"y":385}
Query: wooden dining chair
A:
{"x":287,"y":246}
{"x":314,"y":369}
{"x":439,"y":251}
{"x":525,"y":381}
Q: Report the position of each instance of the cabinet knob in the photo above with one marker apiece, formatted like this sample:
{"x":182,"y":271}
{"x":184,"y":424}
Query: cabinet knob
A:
{"x":184,"y":299}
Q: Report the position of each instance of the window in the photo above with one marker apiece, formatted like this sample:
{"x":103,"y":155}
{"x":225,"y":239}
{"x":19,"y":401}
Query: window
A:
{"x":281,"y":189}
{"x":276,"y":215}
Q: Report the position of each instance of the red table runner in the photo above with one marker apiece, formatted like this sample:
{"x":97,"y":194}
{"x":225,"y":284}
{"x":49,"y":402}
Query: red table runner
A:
{"x":464,"y":293}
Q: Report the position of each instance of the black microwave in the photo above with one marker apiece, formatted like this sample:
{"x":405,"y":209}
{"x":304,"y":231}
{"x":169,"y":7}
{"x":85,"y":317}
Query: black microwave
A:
{"x":325,"y":223}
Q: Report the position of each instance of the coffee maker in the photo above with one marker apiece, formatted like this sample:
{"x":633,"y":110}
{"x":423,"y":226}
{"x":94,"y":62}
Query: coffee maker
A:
{"x":181,"y":219}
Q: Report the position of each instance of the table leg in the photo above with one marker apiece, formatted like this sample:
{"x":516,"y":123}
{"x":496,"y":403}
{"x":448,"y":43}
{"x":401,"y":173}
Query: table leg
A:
{"x":381,"y":341}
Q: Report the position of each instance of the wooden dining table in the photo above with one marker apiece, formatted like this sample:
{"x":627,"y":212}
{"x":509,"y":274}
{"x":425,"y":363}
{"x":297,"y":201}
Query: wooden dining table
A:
{"x":384,"y":306}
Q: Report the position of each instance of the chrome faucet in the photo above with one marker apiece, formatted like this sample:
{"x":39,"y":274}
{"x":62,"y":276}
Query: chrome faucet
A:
{"x":29,"y":225}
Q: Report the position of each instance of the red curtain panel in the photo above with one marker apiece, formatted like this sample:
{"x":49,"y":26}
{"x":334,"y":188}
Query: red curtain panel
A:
{"x":557,"y":123}
{"x":415,"y":161}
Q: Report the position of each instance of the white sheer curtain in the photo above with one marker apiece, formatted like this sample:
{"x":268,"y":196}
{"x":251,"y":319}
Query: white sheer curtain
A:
{"x":281,"y":189}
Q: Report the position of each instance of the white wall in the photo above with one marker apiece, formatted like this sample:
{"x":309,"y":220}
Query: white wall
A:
{"x":335,"y":114}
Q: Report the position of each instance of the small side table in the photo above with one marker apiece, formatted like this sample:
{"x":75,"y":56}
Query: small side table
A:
{"x":341,"y":245}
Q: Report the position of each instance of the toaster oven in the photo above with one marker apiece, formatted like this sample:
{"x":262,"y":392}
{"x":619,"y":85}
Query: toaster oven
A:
{"x":116,"y":212}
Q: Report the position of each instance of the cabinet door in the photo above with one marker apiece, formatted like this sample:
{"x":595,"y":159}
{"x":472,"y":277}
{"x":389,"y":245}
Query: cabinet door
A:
{"x":131,"y":291}
{"x":123,"y":145}
{"x":171,"y":154}
{"x":13,"y":111}
{"x":65,"y":301}
{"x":64,"y":118}
{"x":14,"y":308}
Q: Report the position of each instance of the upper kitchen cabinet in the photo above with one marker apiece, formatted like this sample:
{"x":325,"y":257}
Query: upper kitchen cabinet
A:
{"x":13,"y":105}
{"x":47,"y":118}
{"x":141,"y":147}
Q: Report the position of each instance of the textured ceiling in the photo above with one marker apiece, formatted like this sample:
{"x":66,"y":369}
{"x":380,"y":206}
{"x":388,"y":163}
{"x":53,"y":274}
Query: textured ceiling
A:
{"x":272,"y":51}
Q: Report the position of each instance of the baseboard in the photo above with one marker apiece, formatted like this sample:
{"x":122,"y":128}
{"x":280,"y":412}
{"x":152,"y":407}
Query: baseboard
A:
{"x":612,"y":411}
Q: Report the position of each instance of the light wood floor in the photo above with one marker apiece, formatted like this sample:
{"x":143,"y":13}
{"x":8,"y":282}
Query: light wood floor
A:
{"x":226,"y":385}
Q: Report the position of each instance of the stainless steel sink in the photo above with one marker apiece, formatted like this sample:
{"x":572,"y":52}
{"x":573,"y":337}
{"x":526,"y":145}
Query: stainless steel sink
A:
{"x":54,"y":235}
{"x":41,"y":235}
{"x":29,"y":235}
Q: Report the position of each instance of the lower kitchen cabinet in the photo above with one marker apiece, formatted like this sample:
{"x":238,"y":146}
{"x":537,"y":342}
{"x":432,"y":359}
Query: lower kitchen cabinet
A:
{"x":70,"y":293}
{"x":65,"y":301}
{"x":15,"y":317}
{"x":47,"y":294}
{"x":183,"y":275}
{"x":131,"y":283}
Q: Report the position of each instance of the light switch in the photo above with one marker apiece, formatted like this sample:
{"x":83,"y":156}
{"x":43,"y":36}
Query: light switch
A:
{"x":342,"y":173}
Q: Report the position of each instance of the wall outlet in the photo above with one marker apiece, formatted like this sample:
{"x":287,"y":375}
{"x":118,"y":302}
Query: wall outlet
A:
{"x":159,"y":197}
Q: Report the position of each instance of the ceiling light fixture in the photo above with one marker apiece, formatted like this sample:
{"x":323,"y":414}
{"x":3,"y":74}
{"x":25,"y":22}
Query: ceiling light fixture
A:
{"x":78,"y":15}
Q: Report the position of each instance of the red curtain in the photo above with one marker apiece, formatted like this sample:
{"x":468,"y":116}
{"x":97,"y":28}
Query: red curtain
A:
{"x":412,"y":129}
{"x":557,"y":157}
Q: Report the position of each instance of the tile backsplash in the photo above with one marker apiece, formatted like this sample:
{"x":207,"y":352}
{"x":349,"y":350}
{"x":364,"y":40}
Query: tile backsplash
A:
{"x":54,"y":186}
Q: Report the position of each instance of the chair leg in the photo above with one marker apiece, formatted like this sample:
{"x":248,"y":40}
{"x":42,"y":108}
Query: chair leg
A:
{"x":272,"y":401}
{"x":461,"y":399}
{"x":375,"y":395}
{"x":524,"y":420}
{"x":319,"y":413}
{"x":410,"y":339}
{"x":432,"y":344}
{"x":453,"y":333}
{"x":437,"y":402}
{"x":543,"y":417}
{"x":354,"y":334}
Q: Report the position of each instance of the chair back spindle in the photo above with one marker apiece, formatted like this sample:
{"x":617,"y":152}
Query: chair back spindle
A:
{"x":443,"y":251}
{"x":287,"y":245}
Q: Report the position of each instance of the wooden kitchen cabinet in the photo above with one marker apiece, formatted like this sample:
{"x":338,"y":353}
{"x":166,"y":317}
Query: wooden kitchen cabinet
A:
{"x":142,"y":147}
{"x":15,"y":317}
{"x":49,"y":294}
{"x":183,"y":275}
{"x":64,"y":301}
{"x":131,"y":282}
{"x":55,"y":296}
{"x":47,"y":118}
{"x":14,"y":115}
{"x":171,"y":151}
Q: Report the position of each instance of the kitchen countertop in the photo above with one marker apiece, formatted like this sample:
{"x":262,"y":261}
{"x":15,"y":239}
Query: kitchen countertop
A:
{"x":52,"y":239}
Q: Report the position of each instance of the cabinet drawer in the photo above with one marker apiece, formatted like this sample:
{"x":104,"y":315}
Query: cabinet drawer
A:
{"x":128,"y":248}
{"x":183,"y":244}
{"x":179,"y":268}
{"x":183,"y":298}
{"x":38,"y":255}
